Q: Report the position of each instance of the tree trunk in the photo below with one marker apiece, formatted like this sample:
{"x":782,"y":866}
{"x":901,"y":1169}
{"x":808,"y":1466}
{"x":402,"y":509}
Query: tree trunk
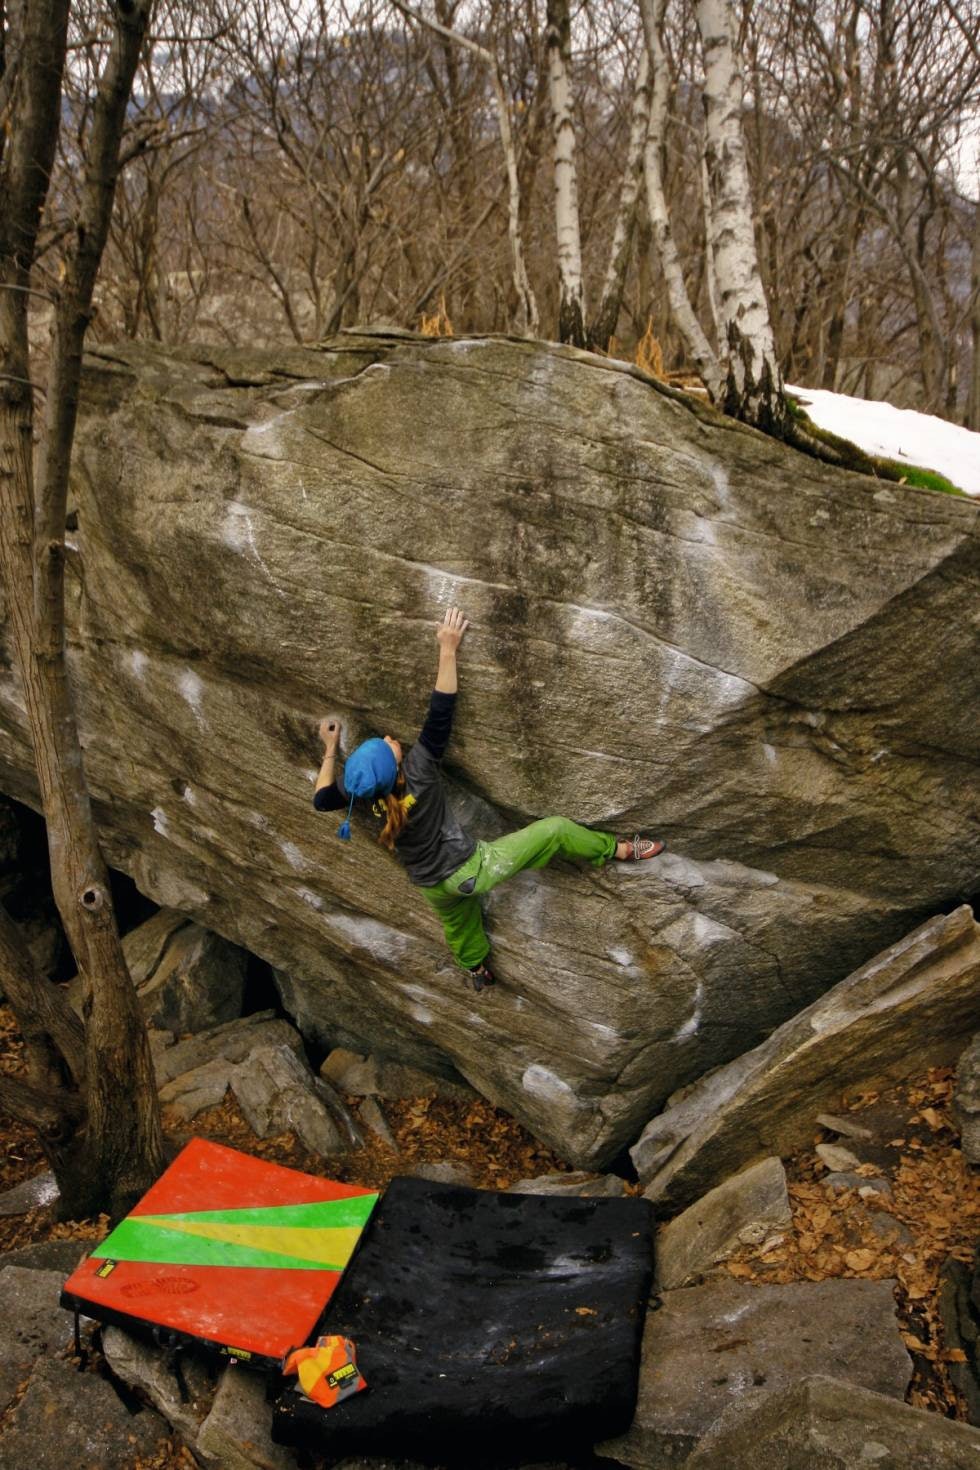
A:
{"x":121,"y":1151}
{"x":753,"y":388}
{"x":571,"y":300}
{"x":685,"y":318}
{"x":603,"y":326}
{"x":973,"y":401}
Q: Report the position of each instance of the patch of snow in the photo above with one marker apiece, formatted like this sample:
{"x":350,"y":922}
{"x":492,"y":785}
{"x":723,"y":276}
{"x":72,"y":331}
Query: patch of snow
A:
{"x":189,"y":796}
{"x":138,"y":662}
{"x":309,"y":897}
{"x":421,"y":1014}
{"x":769,"y":751}
{"x":159,"y":821}
{"x":898,"y":433}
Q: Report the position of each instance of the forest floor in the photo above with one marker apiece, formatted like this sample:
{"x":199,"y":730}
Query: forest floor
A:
{"x":931,"y":1214}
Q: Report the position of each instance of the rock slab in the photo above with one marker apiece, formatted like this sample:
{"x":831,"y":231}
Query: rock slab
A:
{"x":144,"y":1367}
{"x":746,"y":1209}
{"x":966,"y":1099}
{"x":822,"y":1423}
{"x":707,"y":1346}
{"x":915,"y":999}
{"x":76,"y":1419}
{"x":277,"y":1095}
{"x":188,"y":979}
{"x":31,"y":1323}
{"x":237,"y":1434}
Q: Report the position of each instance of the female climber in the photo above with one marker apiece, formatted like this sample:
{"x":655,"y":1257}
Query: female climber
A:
{"x":450,"y":867}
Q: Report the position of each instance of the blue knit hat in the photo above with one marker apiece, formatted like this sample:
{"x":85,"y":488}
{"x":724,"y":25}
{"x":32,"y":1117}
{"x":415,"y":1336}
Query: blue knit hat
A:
{"x":371,"y":770}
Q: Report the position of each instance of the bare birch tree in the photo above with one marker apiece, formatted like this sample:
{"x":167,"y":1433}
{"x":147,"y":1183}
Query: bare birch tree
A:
{"x":571,"y":284}
{"x":90,"y":1092}
{"x":973,"y":402}
{"x":603,"y":324}
{"x":682,"y":311}
{"x":753,"y":384}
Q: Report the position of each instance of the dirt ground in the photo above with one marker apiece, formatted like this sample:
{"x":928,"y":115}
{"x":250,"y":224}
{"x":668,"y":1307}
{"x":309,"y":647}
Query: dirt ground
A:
{"x":932,"y":1213}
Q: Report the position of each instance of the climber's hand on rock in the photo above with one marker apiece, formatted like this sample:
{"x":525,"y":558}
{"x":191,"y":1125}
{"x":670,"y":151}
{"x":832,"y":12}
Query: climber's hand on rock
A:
{"x":450,"y":631}
{"x":330,"y":733}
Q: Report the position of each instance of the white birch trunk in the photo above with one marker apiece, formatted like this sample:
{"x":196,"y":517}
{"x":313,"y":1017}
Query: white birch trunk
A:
{"x":709,"y":248}
{"x":683,"y":313}
{"x":571,"y":306}
{"x":753,"y":387}
{"x":973,"y":402}
{"x":602,"y":328}
{"x":528,"y":305}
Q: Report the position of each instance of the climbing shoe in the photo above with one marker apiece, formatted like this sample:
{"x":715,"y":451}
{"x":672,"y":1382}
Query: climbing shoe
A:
{"x":641,"y":848}
{"x":481,"y":977}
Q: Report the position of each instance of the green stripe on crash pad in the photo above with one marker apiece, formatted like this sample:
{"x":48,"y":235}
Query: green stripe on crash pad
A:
{"x":134,"y":1240}
{"x":329,"y":1214}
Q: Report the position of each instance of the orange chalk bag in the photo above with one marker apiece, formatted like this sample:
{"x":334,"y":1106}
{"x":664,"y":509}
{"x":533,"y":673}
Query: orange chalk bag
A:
{"x":327,"y":1373}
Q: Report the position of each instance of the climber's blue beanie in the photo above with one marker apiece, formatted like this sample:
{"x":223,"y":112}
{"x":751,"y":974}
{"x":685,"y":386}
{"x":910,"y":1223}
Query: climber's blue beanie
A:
{"x":370,"y":770}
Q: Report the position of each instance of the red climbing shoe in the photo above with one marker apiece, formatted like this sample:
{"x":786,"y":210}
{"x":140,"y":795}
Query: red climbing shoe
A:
{"x":641,"y":848}
{"x":482,"y":977}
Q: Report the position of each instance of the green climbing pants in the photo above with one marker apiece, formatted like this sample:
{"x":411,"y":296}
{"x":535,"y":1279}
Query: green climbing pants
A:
{"x":457,"y":898}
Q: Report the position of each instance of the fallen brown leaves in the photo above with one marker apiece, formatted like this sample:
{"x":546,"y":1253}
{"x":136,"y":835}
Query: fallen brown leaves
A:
{"x":933,"y":1213}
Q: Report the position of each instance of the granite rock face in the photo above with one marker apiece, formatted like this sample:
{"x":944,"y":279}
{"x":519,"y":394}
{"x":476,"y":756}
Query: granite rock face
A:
{"x":709,"y":1346}
{"x":71,"y":1418}
{"x":966,"y":1099}
{"x":916,"y":999}
{"x":824,"y":1424}
{"x":31,"y":1323}
{"x":746,"y":1209}
{"x":678,"y":626}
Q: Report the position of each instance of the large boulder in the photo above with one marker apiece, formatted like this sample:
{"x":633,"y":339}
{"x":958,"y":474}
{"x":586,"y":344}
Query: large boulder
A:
{"x":679,"y":625}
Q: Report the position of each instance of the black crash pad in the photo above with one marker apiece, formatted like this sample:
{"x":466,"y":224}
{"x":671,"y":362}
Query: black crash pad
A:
{"x":492,"y":1329}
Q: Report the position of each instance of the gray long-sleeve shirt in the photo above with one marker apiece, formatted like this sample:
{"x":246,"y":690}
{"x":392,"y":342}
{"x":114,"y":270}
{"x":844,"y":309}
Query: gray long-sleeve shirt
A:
{"x":432,"y":844}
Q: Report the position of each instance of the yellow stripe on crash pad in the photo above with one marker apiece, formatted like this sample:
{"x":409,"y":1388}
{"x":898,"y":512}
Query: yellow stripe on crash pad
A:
{"x":304,"y":1242}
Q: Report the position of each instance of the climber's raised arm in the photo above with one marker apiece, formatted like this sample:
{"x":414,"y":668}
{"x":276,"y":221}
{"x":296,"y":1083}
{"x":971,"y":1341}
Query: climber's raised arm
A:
{"x":327,"y":796}
{"x":449,"y":635}
{"x":439,"y":721}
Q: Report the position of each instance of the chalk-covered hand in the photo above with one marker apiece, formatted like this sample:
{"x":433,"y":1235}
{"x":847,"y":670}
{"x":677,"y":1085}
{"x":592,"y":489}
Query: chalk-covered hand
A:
{"x":451,"y":629}
{"x":330,"y":734}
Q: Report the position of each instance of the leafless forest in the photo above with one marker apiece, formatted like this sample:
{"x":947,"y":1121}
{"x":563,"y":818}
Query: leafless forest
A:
{"x":301,"y":165}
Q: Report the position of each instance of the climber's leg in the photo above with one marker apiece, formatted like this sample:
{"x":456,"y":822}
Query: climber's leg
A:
{"x":535,"y":846}
{"x":462,"y":923}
